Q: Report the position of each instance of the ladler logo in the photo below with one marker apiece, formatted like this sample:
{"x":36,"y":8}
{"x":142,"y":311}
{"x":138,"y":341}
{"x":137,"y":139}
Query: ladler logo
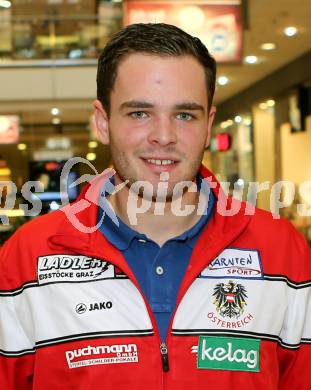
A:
{"x":102,"y":354}
{"x":72,"y":268}
{"x":228,"y":353}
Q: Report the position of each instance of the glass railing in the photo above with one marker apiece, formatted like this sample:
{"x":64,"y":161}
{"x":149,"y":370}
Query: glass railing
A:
{"x":60,"y":37}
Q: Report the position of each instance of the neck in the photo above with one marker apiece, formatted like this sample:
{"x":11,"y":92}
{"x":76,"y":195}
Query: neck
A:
{"x":159,"y":221}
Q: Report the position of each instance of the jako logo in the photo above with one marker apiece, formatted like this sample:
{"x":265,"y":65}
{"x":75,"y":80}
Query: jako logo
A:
{"x":228,"y":353}
{"x":103,"y":354}
{"x":82,"y":308}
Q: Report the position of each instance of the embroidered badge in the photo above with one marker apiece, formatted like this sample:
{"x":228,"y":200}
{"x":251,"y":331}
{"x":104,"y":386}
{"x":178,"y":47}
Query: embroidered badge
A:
{"x":73,"y":268}
{"x":230,"y":300}
{"x":235,"y":263}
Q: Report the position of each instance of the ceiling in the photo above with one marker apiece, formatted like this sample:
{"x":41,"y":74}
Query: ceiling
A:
{"x":267,"y":19}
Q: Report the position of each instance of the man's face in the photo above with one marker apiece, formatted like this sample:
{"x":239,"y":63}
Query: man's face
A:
{"x":158,"y":119}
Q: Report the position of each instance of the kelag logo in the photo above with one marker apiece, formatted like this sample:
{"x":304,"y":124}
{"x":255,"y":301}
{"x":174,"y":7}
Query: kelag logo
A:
{"x":229,"y":353}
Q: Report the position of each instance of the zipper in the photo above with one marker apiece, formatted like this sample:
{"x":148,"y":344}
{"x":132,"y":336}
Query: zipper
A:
{"x":163,"y":346}
{"x":164,"y":354}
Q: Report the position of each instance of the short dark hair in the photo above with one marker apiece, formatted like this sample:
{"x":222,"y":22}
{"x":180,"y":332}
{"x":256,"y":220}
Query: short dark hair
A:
{"x":152,"y":38}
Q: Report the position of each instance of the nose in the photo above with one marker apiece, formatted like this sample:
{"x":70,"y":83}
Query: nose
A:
{"x":163,"y":132}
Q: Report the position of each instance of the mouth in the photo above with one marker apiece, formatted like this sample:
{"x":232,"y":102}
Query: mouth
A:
{"x":160,"y":164}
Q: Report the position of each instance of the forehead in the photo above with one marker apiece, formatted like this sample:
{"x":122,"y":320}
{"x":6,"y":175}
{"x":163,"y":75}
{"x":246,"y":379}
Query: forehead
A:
{"x":140,"y":75}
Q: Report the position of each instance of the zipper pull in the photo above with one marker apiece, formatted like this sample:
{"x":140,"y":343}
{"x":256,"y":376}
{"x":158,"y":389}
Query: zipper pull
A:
{"x":164,"y":354}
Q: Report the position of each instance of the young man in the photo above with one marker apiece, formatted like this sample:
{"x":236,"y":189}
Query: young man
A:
{"x":173,"y":298}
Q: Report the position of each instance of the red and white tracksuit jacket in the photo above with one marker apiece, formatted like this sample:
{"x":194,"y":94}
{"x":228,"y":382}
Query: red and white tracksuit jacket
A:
{"x":72,"y":316}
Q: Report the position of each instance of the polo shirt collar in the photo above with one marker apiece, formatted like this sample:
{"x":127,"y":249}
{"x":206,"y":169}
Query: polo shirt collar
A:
{"x":121,"y":235}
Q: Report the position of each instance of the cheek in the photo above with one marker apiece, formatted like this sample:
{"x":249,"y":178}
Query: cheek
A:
{"x":193,"y":141}
{"x":124,"y":136}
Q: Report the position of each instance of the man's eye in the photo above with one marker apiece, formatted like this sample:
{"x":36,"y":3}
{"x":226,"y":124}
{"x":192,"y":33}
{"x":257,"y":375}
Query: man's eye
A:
{"x":138,"y":115}
{"x":185,"y":116}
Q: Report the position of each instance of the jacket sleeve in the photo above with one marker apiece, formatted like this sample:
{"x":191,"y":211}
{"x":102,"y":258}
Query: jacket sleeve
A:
{"x":16,"y":346}
{"x":295,"y":349}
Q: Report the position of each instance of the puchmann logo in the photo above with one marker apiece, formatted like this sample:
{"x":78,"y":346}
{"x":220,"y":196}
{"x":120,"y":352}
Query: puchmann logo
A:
{"x":229,"y":353}
{"x":102,"y":354}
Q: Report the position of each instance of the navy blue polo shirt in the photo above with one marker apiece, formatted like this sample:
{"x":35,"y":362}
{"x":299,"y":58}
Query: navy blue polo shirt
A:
{"x":158,"y":270}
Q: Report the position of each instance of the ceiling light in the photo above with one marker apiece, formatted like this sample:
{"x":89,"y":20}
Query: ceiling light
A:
{"x":263,"y":106}
{"x":268,"y":46}
{"x":226,"y":123}
{"x":56,"y":121}
{"x":251,"y":59}
{"x":222,"y":80}
{"x":55,"y":111}
{"x":93,"y":144}
{"x":21,"y":146}
{"x":91,"y":156}
{"x":247,"y":121}
{"x":290,"y":31}
{"x":270,"y":103}
{"x":238,"y":119}
{"x":5,"y":3}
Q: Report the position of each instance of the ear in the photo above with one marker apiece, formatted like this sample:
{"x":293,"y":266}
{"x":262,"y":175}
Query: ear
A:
{"x":101,"y":122}
{"x":211,"y":116}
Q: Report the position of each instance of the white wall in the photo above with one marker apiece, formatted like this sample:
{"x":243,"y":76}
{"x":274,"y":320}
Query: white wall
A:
{"x":264,"y":140}
{"x":48,"y":83}
{"x":296,"y":154}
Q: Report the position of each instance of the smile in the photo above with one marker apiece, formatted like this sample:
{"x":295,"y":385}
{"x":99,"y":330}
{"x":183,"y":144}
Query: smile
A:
{"x":160,"y":162}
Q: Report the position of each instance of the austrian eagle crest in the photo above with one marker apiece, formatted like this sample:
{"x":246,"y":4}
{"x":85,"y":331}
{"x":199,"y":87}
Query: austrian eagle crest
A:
{"x":230,"y":299}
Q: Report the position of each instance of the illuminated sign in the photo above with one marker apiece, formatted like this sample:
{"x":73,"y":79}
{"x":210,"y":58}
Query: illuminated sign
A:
{"x":9,"y":129}
{"x":221,"y":142}
{"x":219,"y":26}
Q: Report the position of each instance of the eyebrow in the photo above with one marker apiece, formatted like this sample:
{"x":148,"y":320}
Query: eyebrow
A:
{"x":189,"y":106}
{"x":135,"y":104}
{"x":181,"y":106}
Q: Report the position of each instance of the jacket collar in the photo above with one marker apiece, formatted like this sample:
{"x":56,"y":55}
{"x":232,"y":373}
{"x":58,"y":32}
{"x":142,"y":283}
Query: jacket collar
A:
{"x":219,"y":233}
